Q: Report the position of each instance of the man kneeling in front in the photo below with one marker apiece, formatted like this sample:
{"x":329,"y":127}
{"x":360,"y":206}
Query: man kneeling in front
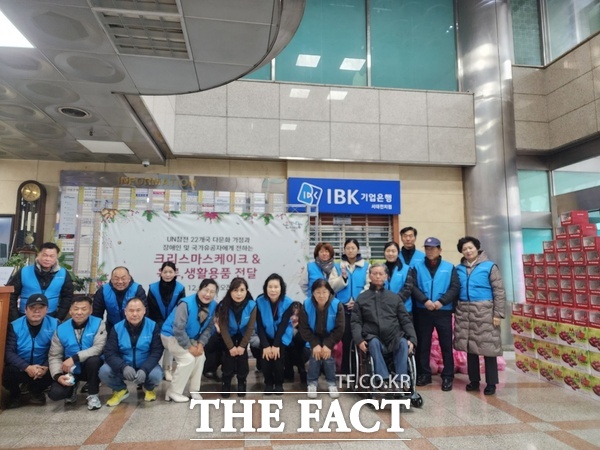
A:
{"x":132,"y":352}
{"x":75,"y":354}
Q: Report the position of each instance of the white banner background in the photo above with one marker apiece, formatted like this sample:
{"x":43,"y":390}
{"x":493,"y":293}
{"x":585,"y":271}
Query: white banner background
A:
{"x":208,"y":245}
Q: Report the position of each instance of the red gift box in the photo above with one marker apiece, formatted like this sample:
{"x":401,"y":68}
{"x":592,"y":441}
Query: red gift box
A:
{"x":592,"y":257}
{"x":565,"y":315}
{"x":527,"y":258}
{"x":528,"y":310}
{"x":580,"y":286}
{"x":560,"y":233}
{"x":581,"y":317}
{"x":578,"y":258}
{"x":530,"y":295}
{"x":517,"y":309}
{"x":539,"y":259}
{"x":528,"y":270}
{"x":565,"y":272}
{"x":539,"y":271}
{"x":563,"y":258}
{"x":529,"y":283}
{"x":553,"y":298}
{"x":561,"y":245}
{"x":550,"y":259}
{"x":572,"y":217}
{"x":566,"y":285}
{"x":591,"y":243}
{"x":594,"y":319}
{"x":593,"y":272}
{"x":541,"y":297}
{"x":539,"y":312}
{"x":580,"y":230}
{"x":552,"y":285}
{"x":540,"y":283}
{"x":581,"y":301}
{"x":552,"y":313}
{"x":575,"y":244}
{"x":549,"y":246}
{"x":566,"y":299}
{"x":579,"y":273}
{"x":551,"y":271}
{"x":594,"y":287}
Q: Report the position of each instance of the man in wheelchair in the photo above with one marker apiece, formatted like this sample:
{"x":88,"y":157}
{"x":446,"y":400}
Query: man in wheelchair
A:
{"x":381,"y":326}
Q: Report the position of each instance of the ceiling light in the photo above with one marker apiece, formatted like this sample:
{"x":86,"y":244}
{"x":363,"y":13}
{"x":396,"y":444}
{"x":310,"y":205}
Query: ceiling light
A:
{"x":288,"y":127}
{"x":299,"y":93}
{"x":113,"y":147}
{"x":71,"y":111}
{"x":352,"y":64}
{"x":337,"y":95}
{"x":10,"y":36}
{"x":308,"y":60}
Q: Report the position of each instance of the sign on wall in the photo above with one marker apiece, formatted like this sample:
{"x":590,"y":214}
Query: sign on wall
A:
{"x":213,"y":245}
{"x":346,"y":196}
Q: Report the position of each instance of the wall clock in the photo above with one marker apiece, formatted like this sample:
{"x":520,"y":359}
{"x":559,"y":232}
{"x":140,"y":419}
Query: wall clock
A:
{"x":29,"y":220}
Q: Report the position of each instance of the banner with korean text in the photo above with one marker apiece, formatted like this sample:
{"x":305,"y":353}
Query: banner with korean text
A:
{"x":213,"y":245}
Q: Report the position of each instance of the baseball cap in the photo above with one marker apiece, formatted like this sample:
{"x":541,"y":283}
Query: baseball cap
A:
{"x":37,"y":299}
{"x":432,"y":242}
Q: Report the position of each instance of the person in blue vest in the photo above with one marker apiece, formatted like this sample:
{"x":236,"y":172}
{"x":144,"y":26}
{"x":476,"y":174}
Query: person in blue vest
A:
{"x":479,"y":312}
{"x":114,"y":295}
{"x":354,"y":280}
{"x":133,"y":350}
{"x":44,"y":276}
{"x":381,"y":325}
{"x":236,"y":318}
{"x":323,"y":266}
{"x":409,"y":254}
{"x":185,"y":334}
{"x":434,"y":295}
{"x":163,"y":296}
{"x":76,"y":354}
{"x":321,"y":322}
{"x":275,"y":331}
{"x":26,"y":359}
{"x":400,"y":277}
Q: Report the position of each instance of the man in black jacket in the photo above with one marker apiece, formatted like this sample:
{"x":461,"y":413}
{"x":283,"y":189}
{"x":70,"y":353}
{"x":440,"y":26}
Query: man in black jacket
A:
{"x":45,"y":277}
{"x":132,"y":352}
{"x":381,"y":325}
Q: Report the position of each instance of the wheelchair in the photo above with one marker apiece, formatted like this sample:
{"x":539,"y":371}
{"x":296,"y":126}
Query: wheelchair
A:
{"x":361,"y":364}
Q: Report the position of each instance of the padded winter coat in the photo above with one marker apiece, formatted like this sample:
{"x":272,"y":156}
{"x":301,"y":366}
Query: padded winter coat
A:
{"x":474,"y":330}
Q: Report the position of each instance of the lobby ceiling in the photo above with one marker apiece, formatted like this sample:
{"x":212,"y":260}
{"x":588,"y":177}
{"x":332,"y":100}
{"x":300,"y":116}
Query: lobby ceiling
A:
{"x":75,"y":96}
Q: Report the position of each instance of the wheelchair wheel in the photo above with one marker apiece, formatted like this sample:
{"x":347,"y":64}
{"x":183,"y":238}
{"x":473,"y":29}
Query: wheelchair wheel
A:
{"x":416,"y":400}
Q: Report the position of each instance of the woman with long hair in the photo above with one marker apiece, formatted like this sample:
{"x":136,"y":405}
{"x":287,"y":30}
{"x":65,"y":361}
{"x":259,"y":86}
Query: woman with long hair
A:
{"x":163,"y":296}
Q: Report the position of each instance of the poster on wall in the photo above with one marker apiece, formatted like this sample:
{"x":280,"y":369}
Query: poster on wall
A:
{"x":214,"y":245}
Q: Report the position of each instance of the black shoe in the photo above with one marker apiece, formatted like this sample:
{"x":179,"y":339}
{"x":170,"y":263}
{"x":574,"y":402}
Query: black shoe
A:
{"x":269,"y":389}
{"x":278,"y":389}
{"x":490,"y":389}
{"x":423,"y":380}
{"x":37,"y":398}
{"x":472,"y":387}
{"x":226,"y":390}
{"x":241,"y":388}
{"x":446,"y":384}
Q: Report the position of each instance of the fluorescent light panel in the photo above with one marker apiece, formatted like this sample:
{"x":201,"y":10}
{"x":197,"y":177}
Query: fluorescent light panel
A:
{"x":308,"y":60}
{"x":114,"y":147}
{"x":352,"y":64}
{"x":299,"y":93}
{"x":10,"y":36}
{"x":288,"y":127}
{"x":337,"y":95}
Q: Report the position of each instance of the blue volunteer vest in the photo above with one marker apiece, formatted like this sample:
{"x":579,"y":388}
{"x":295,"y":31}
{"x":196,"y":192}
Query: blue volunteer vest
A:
{"x":68,"y":338}
{"x":356,"y":283}
{"x":418,"y":257}
{"x":311,"y":314}
{"x":31,"y":285}
{"x":34,"y":350}
{"x":135,"y":357}
{"x":165,"y":311}
{"x":434,"y":287}
{"x":114,"y":312}
{"x":236,"y":327}
{"x":476,"y":286}
{"x":396,"y":282}
{"x":193,"y":327}
{"x":315,"y":273}
{"x":270,"y":323}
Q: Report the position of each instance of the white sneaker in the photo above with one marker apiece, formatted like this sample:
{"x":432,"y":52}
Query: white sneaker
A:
{"x":195,"y":396}
{"x":312,"y":391}
{"x":93,"y":402}
{"x":168,"y":374}
{"x":333,"y":392}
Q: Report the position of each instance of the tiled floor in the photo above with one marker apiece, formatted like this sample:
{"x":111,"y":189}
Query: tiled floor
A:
{"x":525,"y":414}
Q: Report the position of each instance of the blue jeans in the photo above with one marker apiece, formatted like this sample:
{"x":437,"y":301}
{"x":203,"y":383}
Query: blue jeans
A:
{"x":115,"y":381}
{"x":314,"y":370}
{"x":400,"y":358}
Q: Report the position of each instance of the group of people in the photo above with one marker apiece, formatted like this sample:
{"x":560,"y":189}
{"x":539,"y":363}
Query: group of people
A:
{"x":57,"y":340}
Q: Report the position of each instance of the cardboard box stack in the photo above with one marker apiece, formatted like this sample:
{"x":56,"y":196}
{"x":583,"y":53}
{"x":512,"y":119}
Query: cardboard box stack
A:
{"x":557,"y":330}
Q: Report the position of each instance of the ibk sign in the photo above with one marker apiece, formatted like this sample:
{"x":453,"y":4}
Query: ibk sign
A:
{"x":345,"y":196}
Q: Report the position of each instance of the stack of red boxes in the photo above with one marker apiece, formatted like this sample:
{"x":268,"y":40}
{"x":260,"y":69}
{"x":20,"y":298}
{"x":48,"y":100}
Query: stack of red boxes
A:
{"x":557,"y":330}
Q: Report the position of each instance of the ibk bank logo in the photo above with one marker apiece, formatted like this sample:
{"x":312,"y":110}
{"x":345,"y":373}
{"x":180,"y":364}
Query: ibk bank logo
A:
{"x":310,"y":194}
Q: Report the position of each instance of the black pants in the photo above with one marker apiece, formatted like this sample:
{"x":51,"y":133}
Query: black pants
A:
{"x":213,"y":350}
{"x":234,"y":365}
{"x":13,"y":377}
{"x":294,"y":357}
{"x":89,"y":373}
{"x":272,"y":369}
{"x":491,"y":368}
{"x":346,"y":342}
{"x":425,"y":322}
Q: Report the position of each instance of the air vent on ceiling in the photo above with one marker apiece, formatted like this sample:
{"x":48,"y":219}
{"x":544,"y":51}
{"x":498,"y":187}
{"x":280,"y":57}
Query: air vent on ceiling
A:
{"x":143,"y":27}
